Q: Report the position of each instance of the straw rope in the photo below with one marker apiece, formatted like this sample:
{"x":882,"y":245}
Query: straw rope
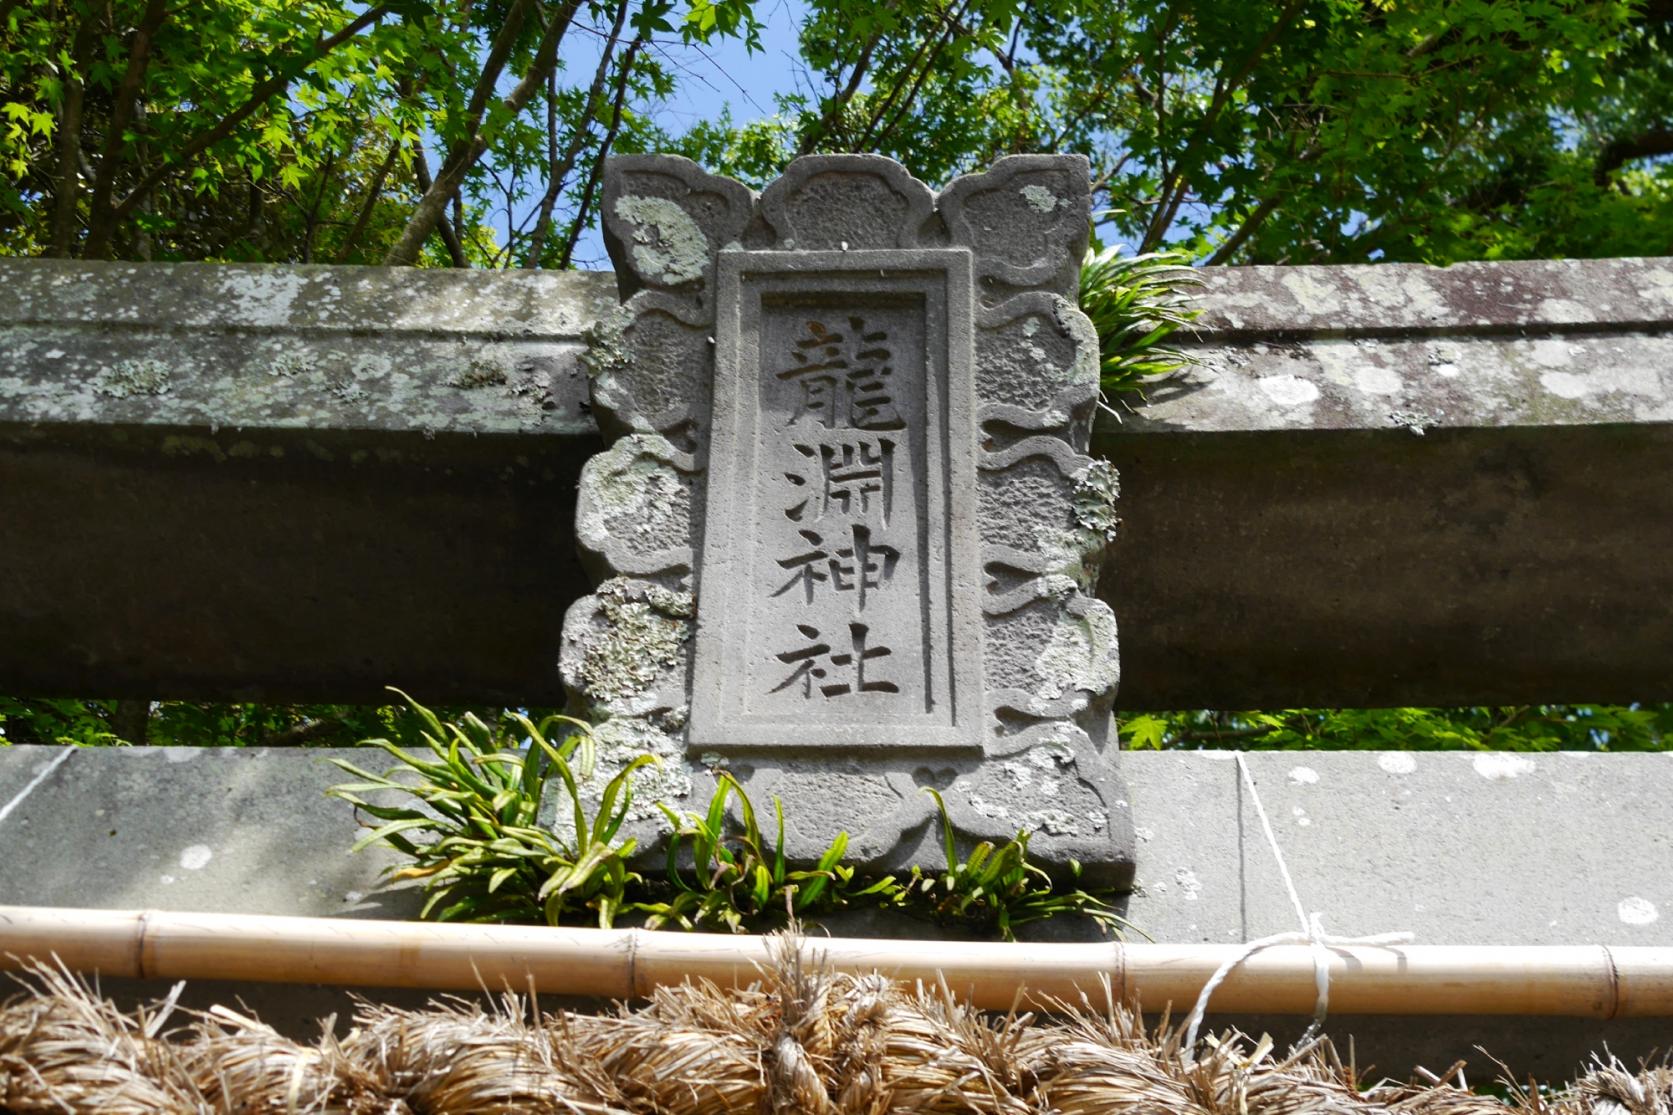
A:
{"x":801,"y":1039}
{"x":1312,"y":935}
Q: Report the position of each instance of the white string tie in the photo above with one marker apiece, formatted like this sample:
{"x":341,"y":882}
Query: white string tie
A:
{"x":1311,"y":934}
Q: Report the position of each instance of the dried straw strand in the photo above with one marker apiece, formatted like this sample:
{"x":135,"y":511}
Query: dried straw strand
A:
{"x":802,"y":1038}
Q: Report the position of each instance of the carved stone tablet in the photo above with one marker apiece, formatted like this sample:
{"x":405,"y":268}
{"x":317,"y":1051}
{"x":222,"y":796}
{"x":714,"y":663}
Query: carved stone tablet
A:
{"x":848,"y":532}
{"x":843,"y":598}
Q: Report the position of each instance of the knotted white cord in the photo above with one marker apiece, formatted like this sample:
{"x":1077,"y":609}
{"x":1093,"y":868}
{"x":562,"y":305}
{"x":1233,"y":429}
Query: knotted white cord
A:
{"x":1312,"y":934}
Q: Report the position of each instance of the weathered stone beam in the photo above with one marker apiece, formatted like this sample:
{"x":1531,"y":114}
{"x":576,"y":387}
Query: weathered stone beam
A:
{"x":1384,"y":485}
{"x":304,"y":482}
{"x":1401,"y":484}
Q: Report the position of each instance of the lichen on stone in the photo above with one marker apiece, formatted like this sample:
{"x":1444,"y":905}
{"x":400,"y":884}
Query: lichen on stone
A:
{"x":1079,"y":328}
{"x":1081,"y":654}
{"x":482,"y":372}
{"x":1097,"y":487}
{"x":635,"y":490}
{"x":669,"y":248}
{"x":346,"y":391}
{"x":289,"y":365}
{"x":144,"y":376}
{"x":606,"y":341}
{"x":646,"y":629}
{"x":1040,"y":199}
{"x":1055,"y":822}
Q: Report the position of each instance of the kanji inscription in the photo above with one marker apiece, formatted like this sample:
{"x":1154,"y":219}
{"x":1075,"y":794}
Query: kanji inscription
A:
{"x":837,"y":471}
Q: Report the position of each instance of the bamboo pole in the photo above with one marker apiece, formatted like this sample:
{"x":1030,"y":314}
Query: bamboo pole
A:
{"x":1592,"y":981}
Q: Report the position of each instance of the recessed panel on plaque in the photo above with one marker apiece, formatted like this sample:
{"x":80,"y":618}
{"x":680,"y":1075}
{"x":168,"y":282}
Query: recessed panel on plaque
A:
{"x":840,"y":578}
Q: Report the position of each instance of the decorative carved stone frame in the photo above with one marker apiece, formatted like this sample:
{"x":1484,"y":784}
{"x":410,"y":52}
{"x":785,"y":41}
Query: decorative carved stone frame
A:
{"x":1017,"y":734}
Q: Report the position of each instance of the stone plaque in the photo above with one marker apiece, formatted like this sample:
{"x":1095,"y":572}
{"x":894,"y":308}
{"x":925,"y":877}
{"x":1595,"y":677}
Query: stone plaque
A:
{"x":840,"y":549}
{"x":846,"y":532}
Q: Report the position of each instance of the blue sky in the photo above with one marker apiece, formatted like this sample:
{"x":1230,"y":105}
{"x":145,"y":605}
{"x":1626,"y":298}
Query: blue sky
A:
{"x":724,"y":76}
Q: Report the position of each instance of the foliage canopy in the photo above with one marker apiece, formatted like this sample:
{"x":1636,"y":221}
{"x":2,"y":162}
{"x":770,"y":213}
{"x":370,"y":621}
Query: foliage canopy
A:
{"x":469,"y":133}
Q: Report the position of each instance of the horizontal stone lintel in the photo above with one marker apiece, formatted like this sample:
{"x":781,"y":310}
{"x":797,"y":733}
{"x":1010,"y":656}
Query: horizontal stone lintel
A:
{"x":1379,"y":485}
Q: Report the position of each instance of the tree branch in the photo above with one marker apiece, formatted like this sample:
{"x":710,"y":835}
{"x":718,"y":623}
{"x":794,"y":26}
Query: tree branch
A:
{"x":926,"y":51}
{"x":358,"y":229}
{"x":603,"y":152}
{"x":311,"y":222}
{"x":1225,"y":86}
{"x":449,"y":235}
{"x":101,"y":222}
{"x":833,"y":109}
{"x":469,"y":148}
{"x":560,"y":169}
{"x":281,"y":80}
{"x":299,"y":734}
{"x":130,"y":721}
{"x":1617,"y":152}
{"x":69,"y":142}
{"x":918,"y":83}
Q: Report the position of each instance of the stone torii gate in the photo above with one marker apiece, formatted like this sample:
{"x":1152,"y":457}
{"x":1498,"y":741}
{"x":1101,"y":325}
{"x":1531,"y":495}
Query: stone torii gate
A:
{"x":1381,"y":485}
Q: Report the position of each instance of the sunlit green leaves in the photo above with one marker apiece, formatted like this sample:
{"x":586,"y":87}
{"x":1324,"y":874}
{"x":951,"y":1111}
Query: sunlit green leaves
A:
{"x":994,"y":886}
{"x":475,"y":832}
{"x":1509,"y":728}
{"x":1136,"y":302}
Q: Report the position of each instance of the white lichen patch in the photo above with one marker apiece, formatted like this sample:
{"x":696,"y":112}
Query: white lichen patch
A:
{"x":263,"y":296}
{"x":1080,"y":330}
{"x":1565,"y":311}
{"x":1621,"y":378}
{"x":1396,"y":762}
{"x":1634,"y":910}
{"x":1552,"y":352}
{"x":668,"y":246}
{"x":1081,"y":654}
{"x":1051,"y":755}
{"x":196,"y":857}
{"x":1498,"y":766}
{"x":1378,"y":381}
{"x":1303,"y":776}
{"x":986,"y":808}
{"x":621,"y":482}
{"x":1659,"y":285}
{"x":1288,"y":390}
{"x":1189,"y":885}
{"x":1054,"y":822}
{"x":1311,"y":295}
{"x":1565,"y":385}
{"x":1040,"y":199}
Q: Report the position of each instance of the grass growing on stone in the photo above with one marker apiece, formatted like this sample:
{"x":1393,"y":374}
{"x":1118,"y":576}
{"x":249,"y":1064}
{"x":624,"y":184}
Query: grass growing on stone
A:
{"x":1136,"y":303}
{"x":473,"y":830}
